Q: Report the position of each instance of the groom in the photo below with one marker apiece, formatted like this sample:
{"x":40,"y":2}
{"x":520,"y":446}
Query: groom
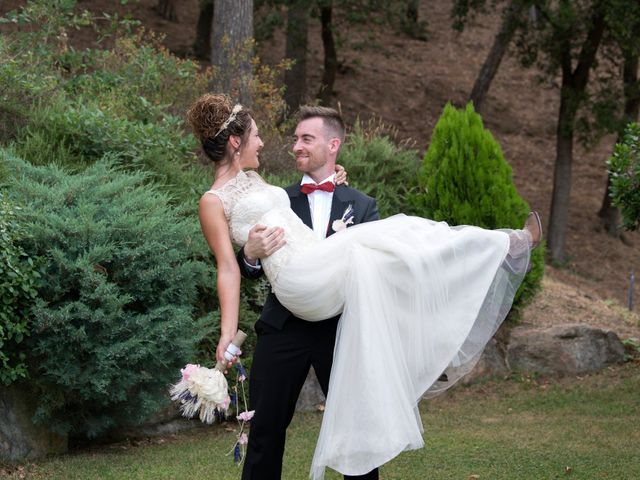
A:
{"x":288,"y":346}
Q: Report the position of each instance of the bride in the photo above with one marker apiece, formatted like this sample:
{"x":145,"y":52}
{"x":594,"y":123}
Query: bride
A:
{"x":417,"y":298}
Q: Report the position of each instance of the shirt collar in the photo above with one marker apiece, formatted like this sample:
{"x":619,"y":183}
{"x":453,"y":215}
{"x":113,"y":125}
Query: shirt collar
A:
{"x":307,"y":179}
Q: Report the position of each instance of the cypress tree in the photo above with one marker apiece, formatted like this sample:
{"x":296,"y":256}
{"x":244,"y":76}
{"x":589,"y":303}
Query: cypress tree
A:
{"x":465,"y":180}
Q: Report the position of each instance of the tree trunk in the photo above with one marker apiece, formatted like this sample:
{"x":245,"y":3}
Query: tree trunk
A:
{"x":609,"y":214}
{"x":559,"y":217}
{"x":202,"y":43}
{"x":330,"y":56}
{"x":232,"y":48}
{"x":412,"y":11}
{"x":295,"y":79}
{"x":574,"y":85}
{"x":167,"y":10}
{"x":493,"y":60}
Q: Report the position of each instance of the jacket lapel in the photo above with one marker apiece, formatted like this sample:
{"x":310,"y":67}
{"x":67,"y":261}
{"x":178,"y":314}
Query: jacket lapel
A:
{"x":338,"y":205}
{"x":300,"y":205}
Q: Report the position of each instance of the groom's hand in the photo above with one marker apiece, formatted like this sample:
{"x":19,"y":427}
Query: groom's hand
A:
{"x":262,"y":242}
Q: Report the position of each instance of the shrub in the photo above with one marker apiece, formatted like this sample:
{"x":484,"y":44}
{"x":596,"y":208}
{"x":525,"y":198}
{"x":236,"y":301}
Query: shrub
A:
{"x":126,"y":96}
{"x":30,"y":69}
{"x":114,"y":317}
{"x":464,"y":180}
{"x":78,"y":133}
{"x":624,"y":171}
{"x":380,"y":168}
{"x":18,"y":280}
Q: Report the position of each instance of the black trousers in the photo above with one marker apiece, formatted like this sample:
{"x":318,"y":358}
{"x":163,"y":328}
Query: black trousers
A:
{"x":280,"y":366}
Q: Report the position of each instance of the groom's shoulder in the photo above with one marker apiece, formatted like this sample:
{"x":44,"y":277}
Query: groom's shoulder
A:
{"x":346,"y":192}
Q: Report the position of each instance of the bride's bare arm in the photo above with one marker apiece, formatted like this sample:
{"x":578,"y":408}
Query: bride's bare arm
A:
{"x":341,"y":175}
{"x":216,"y":231}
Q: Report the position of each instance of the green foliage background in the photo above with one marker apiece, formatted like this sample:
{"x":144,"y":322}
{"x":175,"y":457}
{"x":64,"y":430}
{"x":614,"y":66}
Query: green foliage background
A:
{"x":96,"y":139}
{"x":464,"y":180}
{"x":18,"y":280}
{"x":380,"y":168}
{"x":95,"y":151}
{"x":624,"y":170}
{"x":114,"y":316}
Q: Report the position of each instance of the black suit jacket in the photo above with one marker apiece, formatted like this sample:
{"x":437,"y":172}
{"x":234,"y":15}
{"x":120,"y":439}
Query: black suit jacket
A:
{"x":364,"y":210}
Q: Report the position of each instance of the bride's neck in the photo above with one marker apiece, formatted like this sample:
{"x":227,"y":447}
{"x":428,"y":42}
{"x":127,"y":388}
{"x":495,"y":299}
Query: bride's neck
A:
{"x":226,"y":171}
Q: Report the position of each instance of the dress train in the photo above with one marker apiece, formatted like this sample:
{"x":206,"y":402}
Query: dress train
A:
{"x":418,"y":298}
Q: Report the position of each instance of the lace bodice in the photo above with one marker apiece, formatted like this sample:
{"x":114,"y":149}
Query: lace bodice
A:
{"x":249,"y":200}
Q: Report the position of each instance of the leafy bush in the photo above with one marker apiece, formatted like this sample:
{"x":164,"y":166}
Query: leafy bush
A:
{"x":114,"y":317}
{"x":464,"y":180}
{"x":74,"y":107}
{"x":125,"y":96}
{"x":624,"y":171}
{"x":18,"y":280}
{"x":380,"y":168}
{"x":80,"y":133}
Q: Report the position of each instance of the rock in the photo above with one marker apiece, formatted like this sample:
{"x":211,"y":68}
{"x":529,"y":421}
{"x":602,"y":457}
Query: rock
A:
{"x":149,"y":430}
{"x":167,"y":420}
{"x":491,"y":364}
{"x":20,"y":439}
{"x":563,"y":349}
{"x":311,"y":395}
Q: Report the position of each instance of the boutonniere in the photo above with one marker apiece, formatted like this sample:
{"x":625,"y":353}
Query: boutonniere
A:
{"x":346,"y":219}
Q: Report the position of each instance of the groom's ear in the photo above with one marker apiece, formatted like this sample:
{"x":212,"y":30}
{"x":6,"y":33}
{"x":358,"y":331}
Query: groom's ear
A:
{"x":334,"y":145}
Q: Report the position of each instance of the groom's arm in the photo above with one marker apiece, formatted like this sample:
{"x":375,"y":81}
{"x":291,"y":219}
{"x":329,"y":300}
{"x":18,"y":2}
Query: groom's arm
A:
{"x":261,"y":243}
{"x":247,"y":269}
{"x":366,"y":209}
{"x":371,"y":213}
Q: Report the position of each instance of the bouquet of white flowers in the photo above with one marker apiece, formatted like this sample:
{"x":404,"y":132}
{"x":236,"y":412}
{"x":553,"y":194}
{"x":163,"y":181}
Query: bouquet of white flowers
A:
{"x":205,"y":390}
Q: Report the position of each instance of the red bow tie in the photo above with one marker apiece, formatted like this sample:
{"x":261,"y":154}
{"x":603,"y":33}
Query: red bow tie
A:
{"x":307,"y":188}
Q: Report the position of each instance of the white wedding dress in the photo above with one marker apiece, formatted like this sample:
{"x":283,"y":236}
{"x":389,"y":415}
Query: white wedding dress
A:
{"x":417,"y":298}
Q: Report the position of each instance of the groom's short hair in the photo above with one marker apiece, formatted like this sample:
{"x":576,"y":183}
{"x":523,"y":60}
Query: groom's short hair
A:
{"x":331,"y":119}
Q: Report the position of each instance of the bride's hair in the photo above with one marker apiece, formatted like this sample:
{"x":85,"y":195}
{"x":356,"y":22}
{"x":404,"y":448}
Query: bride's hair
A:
{"x":208,"y":116}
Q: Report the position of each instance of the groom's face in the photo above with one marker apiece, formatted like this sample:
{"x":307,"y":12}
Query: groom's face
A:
{"x":312,"y":148}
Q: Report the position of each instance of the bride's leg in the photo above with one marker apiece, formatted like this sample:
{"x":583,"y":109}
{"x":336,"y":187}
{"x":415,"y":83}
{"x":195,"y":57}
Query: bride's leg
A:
{"x":521,"y":242}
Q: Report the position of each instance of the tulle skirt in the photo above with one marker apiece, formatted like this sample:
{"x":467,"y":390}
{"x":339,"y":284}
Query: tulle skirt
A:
{"x":418,"y":298}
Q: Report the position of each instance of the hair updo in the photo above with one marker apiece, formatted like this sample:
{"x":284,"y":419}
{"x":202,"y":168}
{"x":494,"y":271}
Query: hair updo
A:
{"x":207,"y":114}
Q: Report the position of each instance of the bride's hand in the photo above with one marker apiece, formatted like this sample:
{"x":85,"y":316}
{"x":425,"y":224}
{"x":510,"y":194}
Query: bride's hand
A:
{"x":341,"y":175}
{"x":223,"y":344}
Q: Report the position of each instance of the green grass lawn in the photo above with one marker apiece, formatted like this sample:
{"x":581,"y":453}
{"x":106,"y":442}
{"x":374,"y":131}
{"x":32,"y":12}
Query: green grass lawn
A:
{"x":521,"y":428}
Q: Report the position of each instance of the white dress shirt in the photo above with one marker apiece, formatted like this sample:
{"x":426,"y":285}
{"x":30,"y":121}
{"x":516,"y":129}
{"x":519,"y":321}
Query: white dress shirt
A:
{"x":320,"y":206}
